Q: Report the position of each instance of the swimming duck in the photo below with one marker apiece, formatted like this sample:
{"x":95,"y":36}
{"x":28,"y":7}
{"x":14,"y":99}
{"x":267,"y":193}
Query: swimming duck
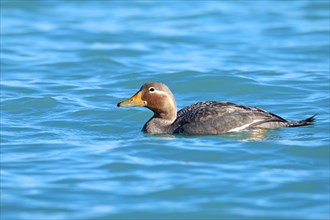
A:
{"x":210,"y":117}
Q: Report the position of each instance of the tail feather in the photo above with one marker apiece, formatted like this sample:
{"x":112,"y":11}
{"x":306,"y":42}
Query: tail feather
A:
{"x":305,"y":122}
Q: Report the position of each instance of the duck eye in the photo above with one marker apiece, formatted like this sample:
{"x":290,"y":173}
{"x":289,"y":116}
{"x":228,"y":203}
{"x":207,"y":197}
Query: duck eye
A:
{"x":151,"y":89}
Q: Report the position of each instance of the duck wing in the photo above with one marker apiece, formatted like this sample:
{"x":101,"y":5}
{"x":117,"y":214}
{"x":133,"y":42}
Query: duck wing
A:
{"x":213,"y":117}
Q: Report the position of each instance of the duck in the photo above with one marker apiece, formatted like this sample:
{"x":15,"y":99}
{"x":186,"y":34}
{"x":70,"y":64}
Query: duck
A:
{"x":201,"y":118}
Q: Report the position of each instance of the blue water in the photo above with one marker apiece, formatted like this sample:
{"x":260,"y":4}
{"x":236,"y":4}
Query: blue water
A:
{"x":67,"y":151}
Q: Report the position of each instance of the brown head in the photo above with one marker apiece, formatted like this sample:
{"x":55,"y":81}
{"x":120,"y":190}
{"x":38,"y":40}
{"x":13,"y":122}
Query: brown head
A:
{"x":157,"y":97}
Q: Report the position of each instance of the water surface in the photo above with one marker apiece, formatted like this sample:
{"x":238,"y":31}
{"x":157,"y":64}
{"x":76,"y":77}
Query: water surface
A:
{"x":67,"y":151}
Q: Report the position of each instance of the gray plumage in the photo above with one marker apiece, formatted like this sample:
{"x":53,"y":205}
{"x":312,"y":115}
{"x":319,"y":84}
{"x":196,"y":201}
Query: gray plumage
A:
{"x":213,"y":117}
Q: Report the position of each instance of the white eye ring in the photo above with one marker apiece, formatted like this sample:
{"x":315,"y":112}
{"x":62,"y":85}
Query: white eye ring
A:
{"x":152,"y":89}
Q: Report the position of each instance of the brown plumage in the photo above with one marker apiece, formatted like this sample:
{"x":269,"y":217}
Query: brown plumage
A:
{"x":208,"y":117}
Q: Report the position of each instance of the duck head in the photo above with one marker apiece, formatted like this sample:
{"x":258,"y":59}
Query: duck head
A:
{"x":155,"y":96}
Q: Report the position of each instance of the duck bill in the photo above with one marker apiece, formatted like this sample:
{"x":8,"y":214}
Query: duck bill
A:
{"x":135,"y":100}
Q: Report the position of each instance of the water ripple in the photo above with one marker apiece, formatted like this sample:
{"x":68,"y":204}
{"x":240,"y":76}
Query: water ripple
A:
{"x":65,"y":145}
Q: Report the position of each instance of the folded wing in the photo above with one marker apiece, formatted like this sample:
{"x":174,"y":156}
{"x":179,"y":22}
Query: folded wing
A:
{"x":221,"y":117}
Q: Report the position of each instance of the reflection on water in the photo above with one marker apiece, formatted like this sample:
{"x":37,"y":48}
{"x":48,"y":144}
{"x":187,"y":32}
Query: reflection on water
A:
{"x":254,"y":135}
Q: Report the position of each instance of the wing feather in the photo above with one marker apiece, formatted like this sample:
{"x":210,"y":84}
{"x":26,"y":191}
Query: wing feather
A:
{"x":213,"y":117}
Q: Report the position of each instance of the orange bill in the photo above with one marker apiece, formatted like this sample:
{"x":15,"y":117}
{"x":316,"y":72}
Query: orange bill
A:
{"x":135,"y":100}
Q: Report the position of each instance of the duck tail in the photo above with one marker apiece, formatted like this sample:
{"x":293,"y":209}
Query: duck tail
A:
{"x":305,"y":122}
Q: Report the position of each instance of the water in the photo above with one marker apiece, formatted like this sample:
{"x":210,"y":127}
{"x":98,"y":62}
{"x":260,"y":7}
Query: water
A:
{"x":67,"y":151}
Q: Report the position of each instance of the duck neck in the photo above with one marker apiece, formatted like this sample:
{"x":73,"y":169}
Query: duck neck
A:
{"x":158,"y":125}
{"x":160,"y":122}
{"x":164,"y":115}
{"x":168,"y":115}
